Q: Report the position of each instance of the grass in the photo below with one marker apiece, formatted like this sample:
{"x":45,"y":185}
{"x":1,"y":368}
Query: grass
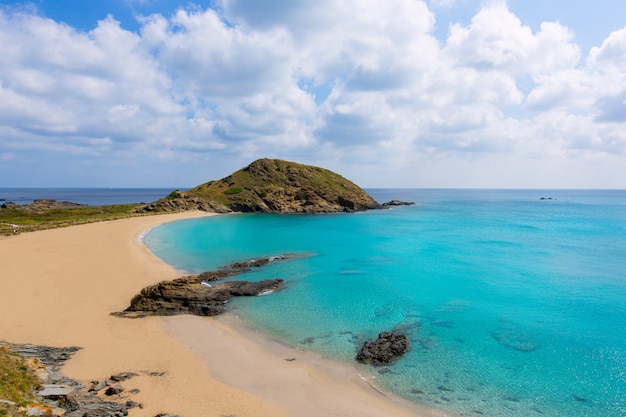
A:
{"x":17,"y":381}
{"x":18,"y":220}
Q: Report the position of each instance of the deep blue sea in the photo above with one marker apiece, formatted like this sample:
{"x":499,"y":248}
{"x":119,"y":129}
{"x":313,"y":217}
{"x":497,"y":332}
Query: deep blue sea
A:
{"x":515,"y":305}
{"x":89,"y":196}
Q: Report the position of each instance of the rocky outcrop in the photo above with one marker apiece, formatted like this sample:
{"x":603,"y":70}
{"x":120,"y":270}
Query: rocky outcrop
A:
{"x":190,"y":296}
{"x":193,"y":294}
{"x":62,"y":396}
{"x":387,"y":348}
{"x":272,"y":186}
{"x":395,"y":203}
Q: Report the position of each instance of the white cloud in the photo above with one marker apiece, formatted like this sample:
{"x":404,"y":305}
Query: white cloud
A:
{"x":350,"y":84}
{"x":497,"y":39}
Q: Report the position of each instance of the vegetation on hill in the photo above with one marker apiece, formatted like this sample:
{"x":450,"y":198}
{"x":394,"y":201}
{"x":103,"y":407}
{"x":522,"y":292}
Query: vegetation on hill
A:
{"x":273,"y":186}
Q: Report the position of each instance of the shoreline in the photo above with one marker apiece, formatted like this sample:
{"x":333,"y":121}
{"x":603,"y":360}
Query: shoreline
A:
{"x":59,"y":287}
{"x":268,"y":365}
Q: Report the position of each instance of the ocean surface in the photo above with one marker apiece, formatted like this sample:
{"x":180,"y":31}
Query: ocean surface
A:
{"x":89,"y":196}
{"x":514,"y":301}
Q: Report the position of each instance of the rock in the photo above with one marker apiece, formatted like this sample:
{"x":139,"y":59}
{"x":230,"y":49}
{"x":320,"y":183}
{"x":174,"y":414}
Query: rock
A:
{"x":50,"y":390}
{"x":193,"y":295}
{"x":219,"y":275}
{"x":167,"y":415}
{"x":132,"y":404}
{"x":114,"y":390}
{"x":122,"y":376}
{"x":394,"y":203}
{"x":188,"y":296}
{"x":38,"y":410}
{"x":79,"y":404}
{"x":388,"y":347}
{"x":50,"y":356}
{"x":97,"y":385}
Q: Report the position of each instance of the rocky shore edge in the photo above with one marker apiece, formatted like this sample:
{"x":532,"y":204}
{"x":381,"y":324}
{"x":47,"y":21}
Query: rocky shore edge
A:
{"x":199,"y":295}
{"x":60,"y":396}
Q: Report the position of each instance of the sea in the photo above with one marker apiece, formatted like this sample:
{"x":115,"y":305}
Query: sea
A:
{"x":88,"y":196}
{"x":514,"y":301}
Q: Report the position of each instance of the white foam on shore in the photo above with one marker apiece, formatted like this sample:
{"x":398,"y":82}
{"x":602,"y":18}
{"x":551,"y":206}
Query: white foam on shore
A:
{"x":142,"y":236}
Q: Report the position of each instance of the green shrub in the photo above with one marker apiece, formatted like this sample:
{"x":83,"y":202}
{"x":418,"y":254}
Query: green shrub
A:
{"x":174,"y":194}
{"x":17,"y":381}
{"x":232,"y":191}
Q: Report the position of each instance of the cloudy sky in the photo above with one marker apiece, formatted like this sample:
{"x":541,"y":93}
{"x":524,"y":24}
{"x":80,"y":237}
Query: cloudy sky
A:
{"x":402,"y":93}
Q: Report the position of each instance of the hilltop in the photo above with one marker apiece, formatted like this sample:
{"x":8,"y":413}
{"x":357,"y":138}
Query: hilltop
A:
{"x":271,"y":186}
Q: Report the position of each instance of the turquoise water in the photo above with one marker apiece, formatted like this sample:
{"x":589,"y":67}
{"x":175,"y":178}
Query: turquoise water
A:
{"x":515,"y":306}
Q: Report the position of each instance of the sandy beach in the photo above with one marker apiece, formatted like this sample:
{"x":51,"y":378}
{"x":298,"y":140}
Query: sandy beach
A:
{"x":58,"y":288}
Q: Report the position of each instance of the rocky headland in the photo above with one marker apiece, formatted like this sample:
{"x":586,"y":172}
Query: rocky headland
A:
{"x":273,"y":186}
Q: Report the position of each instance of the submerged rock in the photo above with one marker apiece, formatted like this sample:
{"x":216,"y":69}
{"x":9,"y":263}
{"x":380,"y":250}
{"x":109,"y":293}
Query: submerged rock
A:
{"x":387,"y":348}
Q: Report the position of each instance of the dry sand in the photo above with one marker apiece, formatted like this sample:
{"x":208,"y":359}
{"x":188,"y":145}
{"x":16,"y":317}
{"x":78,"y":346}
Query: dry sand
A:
{"x":58,"y":288}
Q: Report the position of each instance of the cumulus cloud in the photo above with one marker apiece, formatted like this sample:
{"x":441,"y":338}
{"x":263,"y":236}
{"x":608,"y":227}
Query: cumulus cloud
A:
{"x":344,"y":84}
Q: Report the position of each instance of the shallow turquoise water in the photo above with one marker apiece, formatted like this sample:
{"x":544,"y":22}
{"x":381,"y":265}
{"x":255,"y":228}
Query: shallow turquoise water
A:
{"x":515,"y":306}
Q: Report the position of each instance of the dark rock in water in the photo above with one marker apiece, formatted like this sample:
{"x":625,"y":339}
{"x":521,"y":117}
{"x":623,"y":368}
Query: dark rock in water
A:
{"x":256,"y":263}
{"x":388,"y":347}
{"x":210,"y":276}
{"x":188,"y":296}
{"x":193,"y":294}
{"x":395,"y":203}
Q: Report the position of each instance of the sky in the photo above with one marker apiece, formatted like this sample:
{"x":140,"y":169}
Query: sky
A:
{"x":403,"y":93}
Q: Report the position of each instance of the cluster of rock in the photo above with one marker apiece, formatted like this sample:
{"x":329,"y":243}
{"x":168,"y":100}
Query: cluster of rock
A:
{"x":385,"y":349}
{"x":194,"y":294}
{"x":61,"y":396}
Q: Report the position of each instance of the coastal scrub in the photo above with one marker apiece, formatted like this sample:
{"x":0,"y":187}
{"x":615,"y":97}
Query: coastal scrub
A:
{"x":18,"y":382}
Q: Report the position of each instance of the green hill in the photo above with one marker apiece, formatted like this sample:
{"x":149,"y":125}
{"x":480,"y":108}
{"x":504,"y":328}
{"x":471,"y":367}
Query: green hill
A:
{"x":272,"y":186}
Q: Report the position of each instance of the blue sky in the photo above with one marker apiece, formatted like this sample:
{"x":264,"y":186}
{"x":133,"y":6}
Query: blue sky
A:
{"x":409,"y":93}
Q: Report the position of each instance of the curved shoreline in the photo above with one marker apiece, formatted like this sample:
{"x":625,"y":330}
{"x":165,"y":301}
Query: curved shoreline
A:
{"x":59,"y":287}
